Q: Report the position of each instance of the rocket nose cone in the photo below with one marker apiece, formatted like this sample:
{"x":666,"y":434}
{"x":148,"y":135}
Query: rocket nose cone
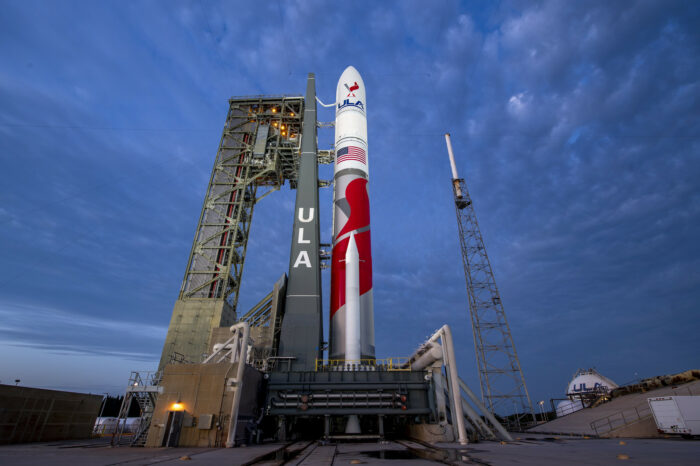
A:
{"x":350,"y":86}
{"x":350,"y":74}
{"x":351,"y":69}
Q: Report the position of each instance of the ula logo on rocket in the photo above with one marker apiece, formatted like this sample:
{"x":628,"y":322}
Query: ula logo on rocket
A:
{"x":352,"y":89}
{"x":347,"y":103}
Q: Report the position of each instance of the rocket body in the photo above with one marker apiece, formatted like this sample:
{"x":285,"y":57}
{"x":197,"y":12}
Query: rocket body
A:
{"x":351,"y":225}
{"x":353,"y":317}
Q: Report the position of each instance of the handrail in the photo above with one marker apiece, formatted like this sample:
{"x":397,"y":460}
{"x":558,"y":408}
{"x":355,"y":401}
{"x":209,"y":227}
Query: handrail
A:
{"x":641,"y":411}
{"x":386,"y":364}
{"x":611,"y":422}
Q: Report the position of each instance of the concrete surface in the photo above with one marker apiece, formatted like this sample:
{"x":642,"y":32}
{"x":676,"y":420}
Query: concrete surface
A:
{"x":99,"y":453}
{"x":580,"y":421}
{"x":529,"y":449}
{"x":542,"y":450}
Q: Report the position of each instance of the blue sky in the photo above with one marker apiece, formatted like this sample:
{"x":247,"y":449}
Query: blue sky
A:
{"x":575,"y":125}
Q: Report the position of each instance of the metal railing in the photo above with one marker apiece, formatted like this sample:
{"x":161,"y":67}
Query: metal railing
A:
{"x":630,"y":415}
{"x":569,"y":410}
{"x":386,"y":364}
{"x":145,"y":378}
{"x":620,"y":419}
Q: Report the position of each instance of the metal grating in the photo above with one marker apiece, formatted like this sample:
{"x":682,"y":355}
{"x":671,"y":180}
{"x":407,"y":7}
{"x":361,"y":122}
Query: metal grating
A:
{"x":257,"y":153}
{"x":502,"y":383}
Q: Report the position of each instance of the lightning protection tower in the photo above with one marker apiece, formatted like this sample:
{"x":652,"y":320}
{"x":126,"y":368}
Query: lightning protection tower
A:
{"x":502,"y":383}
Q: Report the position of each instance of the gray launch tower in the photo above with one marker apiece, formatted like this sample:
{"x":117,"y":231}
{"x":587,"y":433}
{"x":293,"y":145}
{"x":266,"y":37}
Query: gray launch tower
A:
{"x":302,"y":328}
{"x":257,"y":153}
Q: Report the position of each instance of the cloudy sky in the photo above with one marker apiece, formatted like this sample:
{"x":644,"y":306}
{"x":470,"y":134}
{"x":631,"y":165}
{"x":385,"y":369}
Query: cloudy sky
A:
{"x":575,"y":125}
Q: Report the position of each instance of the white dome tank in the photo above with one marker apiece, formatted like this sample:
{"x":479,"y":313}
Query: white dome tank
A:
{"x":589,"y":381}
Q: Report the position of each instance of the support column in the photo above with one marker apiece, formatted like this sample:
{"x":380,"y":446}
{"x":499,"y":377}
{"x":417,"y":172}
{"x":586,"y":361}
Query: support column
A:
{"x":302,"y":327}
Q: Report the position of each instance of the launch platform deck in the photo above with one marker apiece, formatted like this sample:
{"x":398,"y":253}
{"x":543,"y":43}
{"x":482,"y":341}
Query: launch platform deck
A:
{"x":527,"y":449}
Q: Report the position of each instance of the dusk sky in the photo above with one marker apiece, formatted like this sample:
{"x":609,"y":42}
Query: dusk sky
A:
{"x":576,"y":125}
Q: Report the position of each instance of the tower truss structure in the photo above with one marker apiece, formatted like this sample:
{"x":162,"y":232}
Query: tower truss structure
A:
{"x":258,"y":151}
{"x":501,"y":378}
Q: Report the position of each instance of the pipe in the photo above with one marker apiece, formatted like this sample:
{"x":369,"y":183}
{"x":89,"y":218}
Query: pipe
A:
{"x":434,"y":353}
{"x":242,"y":356}
{"x":337,"y":404}
{"x":440,"y":390}
{"x":476,"y":420}
{"x":455,"y":176}
{"x":448,"y":349}
{"x":226,"y":347}
{"x":340,"y":395}
{"x":492,"y":419}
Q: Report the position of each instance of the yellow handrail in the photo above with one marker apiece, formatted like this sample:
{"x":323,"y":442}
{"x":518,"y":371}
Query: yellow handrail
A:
{"x":385,"y":364}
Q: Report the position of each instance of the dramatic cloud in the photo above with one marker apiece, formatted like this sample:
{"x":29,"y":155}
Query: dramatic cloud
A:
{"x":575,"y":125}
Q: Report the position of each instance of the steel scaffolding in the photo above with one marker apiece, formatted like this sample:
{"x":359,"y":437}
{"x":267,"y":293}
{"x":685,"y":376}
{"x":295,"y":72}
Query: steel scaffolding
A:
{"x":502,"y":383}
{"x":257,"y":153}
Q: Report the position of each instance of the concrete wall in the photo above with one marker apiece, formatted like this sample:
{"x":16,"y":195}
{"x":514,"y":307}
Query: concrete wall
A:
{"x":191,"y":326}
{"x":643,"y":428}
{"x":202,"y":390}
{"x":431,"y":433}
{"x":37,"y":415}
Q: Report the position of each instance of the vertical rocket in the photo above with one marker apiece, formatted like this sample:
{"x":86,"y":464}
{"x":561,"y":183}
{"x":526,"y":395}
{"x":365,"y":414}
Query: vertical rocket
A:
{"x":351,"y":310}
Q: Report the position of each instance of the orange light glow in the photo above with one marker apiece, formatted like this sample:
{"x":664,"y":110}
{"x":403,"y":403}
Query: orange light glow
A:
{"x":177,"y":407}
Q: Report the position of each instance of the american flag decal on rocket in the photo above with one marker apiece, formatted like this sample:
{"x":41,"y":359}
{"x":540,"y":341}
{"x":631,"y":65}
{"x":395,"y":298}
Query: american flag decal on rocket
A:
{"x":351,"y":307}
{"x":351,"y":153}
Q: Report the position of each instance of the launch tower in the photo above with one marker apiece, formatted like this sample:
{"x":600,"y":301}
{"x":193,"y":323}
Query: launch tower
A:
{"x":502,"y":382}
{"x":257,"y":153}
{"x":227,"y":379}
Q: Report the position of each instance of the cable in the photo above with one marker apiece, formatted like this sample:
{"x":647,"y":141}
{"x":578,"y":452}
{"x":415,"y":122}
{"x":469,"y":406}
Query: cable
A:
{"x":324,"y":105}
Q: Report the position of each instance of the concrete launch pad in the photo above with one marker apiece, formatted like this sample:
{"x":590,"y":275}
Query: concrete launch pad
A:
{"x":530,"y":449}
{"x":626,"y":416}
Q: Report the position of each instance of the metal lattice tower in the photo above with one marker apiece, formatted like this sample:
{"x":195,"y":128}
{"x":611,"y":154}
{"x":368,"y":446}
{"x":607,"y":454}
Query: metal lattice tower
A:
{"x":502,"y":382}
{"x":258,"y":151}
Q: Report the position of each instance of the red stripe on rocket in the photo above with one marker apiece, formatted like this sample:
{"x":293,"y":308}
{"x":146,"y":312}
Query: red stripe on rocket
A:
{"x":351,"y":216}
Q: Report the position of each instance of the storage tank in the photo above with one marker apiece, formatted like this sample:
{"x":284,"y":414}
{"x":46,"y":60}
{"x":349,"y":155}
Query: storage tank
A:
{"x":589,"y":382}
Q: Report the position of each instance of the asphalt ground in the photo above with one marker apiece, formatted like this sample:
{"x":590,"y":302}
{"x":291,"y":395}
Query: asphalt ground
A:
{"x":528,"y":449}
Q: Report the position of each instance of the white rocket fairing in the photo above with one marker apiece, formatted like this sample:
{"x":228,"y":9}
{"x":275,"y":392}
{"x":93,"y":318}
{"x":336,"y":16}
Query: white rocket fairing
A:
{"x":351,"y":296}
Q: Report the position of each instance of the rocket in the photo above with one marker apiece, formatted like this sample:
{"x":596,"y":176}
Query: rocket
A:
{"x":351,"y":309}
